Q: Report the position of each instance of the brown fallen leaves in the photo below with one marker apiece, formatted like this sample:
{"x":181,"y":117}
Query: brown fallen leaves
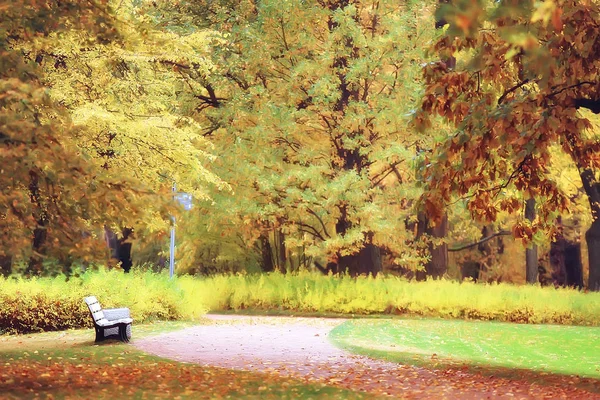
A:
{"x":160,"y":379}
{"x":436,"y":382}
{"x":49,"y":377}
{"x":79,"y":379}
{"x":410,"y":382}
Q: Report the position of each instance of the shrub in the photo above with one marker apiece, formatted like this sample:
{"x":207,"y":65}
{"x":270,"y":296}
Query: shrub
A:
{"x":46,"y":304}
{"x":39,"y":312}
{"x":315,"y":293}
{"x":52,"y":303}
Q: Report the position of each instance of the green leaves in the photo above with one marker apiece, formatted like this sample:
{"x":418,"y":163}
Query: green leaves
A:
{"x":317,"y":99}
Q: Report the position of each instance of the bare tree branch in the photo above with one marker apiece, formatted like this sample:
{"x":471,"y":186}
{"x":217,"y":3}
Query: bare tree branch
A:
{"x":320,"y":221}
{"x":485,"y":239}
{"x":512,"y":89}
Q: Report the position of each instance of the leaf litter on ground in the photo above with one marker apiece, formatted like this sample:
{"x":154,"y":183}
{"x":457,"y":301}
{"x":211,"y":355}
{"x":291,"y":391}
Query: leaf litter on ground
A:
{"x":69,"y":365}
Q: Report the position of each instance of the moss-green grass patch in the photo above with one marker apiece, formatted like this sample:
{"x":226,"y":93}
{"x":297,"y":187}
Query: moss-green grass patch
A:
{"x":547,"y":349}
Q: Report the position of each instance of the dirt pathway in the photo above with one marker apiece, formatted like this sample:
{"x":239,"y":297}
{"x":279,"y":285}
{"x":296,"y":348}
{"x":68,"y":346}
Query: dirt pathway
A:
{"x":300,"y":347}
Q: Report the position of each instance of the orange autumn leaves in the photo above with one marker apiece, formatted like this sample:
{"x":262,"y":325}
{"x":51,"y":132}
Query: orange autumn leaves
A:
{"x":523,"y":70}
{"x":86,"y":378}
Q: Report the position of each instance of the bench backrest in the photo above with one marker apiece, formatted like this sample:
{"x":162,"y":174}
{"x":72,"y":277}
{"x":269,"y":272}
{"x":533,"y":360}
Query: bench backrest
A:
{"x":95,"y":308}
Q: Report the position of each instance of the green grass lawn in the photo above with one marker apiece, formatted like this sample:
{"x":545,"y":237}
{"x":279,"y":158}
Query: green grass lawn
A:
{"x":545,"y":349}
{"x":69,"y":365}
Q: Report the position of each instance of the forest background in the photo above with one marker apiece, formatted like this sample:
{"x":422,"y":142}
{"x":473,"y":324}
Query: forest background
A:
{"x":411,"y":138}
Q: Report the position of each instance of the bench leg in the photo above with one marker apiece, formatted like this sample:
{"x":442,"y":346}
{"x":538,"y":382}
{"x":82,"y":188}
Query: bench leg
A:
{"x":99,"y":334}
{"x":123,"y":333}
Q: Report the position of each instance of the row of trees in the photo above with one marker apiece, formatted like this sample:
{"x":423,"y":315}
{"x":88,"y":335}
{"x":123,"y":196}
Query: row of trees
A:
{"x":307,"y":130}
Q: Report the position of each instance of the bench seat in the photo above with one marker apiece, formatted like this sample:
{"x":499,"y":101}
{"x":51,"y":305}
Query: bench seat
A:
{"x":106,"y":323}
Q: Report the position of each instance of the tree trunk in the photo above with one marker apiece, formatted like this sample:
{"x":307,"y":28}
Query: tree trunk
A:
{"x":437,"y":265}
{"x":592,"y":237}
{"x":565,"y":259}
{"x":125,"y":257}
{"x":266,"y":254}
{"x":573,"y":265}
{"x":531,"y":253}
{"x":40,"y":233}
{"x":367,"y":261}
{"x":120,"y":248}
{"x":281,"y":251}
{"x":125,"y":250}
{"x":5,"y":265}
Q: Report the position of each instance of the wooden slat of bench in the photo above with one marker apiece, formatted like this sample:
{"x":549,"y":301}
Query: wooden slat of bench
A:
{"x":106,"y":324}
{"x":98,"y":315}
{"x":95,"y":308}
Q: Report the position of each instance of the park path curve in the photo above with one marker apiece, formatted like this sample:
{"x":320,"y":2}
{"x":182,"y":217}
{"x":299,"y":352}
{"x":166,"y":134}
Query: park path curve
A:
{"x":300,"y":347}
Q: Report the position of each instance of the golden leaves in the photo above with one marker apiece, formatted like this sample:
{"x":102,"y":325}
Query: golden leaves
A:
{"x":548,"y":11}
{"x":464,"y":17}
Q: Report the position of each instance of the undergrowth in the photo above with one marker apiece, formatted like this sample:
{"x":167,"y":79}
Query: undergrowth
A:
{"x":48,"y":304}
{"x":308,"y":292}
{"x":32,"y":305}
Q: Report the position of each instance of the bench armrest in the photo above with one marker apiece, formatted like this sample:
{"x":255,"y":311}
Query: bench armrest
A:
{"x":112,"y":314}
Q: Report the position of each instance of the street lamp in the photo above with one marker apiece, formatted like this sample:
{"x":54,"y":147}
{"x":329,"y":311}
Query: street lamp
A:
{"x":185,"y":199}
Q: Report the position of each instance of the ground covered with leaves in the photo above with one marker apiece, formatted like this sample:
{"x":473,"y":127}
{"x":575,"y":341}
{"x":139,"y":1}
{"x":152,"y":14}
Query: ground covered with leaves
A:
{"x":301,"y":348}
{"x":285,"y":357}
{"x":69,"y":365}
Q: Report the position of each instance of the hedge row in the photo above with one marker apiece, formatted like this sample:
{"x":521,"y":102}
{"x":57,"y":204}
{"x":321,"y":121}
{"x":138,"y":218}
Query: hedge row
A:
{"x":49,"y":304}
{"x":45,"y":304}
{"x":314,"y":293}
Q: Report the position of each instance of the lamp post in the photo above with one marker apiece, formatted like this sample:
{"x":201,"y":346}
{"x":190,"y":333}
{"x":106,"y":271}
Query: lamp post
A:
{"x":172,"y":244}
{"x":185,"y":199}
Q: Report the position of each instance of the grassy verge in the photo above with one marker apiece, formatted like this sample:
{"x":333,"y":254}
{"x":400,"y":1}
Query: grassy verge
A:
{"x":69,"y":365}
{"x":540,"y":352}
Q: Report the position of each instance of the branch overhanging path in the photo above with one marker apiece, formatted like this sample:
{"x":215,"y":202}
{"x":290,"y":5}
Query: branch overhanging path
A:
{"x":300,"y":347}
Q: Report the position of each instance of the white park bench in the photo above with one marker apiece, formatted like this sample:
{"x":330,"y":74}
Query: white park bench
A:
{"x":112,"y":322}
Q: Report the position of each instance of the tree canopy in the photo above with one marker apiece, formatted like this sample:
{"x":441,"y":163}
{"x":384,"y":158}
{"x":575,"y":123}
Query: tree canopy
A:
{"x":524,"y":77}
{"x":292,"y":125}
{"x":310,"y":104}
{"x":50,"y":192}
